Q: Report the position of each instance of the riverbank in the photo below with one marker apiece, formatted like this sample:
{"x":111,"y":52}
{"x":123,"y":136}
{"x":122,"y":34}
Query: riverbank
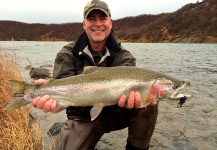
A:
{"x":16,"y":132}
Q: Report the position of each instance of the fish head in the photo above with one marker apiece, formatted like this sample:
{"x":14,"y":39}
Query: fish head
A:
{"x":178,"y":83}
{"x":167,"y":88}
{"x":178,"y":88}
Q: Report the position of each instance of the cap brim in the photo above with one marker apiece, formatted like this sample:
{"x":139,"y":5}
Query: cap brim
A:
{"x":107,"y":14}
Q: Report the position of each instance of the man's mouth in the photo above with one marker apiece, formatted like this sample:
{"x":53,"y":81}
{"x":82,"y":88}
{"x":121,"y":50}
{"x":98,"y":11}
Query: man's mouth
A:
{"x":98,"y":31}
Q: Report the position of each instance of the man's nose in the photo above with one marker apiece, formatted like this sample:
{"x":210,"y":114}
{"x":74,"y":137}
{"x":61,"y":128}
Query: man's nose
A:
{"x":98,"y":22}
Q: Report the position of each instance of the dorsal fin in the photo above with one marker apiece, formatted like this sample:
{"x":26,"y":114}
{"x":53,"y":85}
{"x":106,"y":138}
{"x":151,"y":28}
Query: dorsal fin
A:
{"x":90,"y":69}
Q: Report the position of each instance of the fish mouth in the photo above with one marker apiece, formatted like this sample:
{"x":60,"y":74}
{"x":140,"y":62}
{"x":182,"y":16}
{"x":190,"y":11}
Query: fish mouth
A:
{"x":176,"y":95}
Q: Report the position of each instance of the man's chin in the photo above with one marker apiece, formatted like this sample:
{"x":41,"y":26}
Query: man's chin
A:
{"x":98,"y":40}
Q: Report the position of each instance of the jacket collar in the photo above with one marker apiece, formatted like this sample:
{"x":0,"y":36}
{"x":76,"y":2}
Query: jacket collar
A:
{"x":111,"y":43}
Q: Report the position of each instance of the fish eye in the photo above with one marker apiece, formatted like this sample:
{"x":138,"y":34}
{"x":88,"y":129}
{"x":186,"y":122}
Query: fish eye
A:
{"x":175,"y":86}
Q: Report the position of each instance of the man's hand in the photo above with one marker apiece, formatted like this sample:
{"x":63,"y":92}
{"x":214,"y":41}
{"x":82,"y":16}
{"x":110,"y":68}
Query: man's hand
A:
{"x":133,"y":101}
{"x":45,"y":102}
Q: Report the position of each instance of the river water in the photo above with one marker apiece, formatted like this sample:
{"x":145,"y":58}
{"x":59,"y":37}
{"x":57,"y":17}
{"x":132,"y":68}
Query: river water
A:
{"x":192,"y":127}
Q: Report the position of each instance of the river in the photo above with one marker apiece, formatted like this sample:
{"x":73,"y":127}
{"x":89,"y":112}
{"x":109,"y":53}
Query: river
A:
{"x":191,"y":127}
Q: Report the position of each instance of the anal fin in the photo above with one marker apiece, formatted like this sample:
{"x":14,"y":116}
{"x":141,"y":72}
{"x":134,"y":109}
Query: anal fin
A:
{"x":95,"y":111}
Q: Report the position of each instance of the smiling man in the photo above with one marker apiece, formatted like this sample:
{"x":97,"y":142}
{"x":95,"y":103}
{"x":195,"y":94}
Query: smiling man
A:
{"x":97,"y":26}
{"x":97,"y":46}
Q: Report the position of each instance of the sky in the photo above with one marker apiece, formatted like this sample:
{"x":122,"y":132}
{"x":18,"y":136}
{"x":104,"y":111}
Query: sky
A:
{"x":68,"y":11}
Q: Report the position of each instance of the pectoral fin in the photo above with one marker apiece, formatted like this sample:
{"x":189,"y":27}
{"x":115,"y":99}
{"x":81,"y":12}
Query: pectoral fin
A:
{"x":95,"y":111}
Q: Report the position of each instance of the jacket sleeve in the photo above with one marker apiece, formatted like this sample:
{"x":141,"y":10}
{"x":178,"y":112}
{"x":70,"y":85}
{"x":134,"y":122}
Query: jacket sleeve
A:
{"x":64,"y":65}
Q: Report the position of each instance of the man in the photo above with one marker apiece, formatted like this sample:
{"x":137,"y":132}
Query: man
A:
{"x":98,"y":46}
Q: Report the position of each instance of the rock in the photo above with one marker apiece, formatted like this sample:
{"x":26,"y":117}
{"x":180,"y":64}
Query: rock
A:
{"x":55,"y":129}
{"x":40,"y":72}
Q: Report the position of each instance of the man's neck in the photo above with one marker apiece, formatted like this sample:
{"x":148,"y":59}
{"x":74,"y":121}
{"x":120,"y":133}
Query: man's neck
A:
{"x":97,"y":47}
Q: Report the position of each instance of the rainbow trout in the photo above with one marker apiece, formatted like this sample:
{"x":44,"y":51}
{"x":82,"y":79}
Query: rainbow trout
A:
{"x":99,"y":87}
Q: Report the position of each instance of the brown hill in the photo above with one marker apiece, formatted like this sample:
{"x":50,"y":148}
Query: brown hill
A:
{"x":194,"y":22}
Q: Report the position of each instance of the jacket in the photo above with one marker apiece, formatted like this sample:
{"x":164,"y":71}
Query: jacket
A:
{"x":72,"y":58}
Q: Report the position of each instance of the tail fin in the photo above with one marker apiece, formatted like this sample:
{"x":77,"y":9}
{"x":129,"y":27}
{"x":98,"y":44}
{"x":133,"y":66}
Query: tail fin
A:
{"x":17,"y":100}
{"x":17,"y":86}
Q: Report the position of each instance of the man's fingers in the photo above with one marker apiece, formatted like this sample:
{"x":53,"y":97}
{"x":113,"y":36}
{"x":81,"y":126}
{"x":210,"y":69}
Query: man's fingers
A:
{"x":130,"y":103}
{"x":134,"y":100}
{"x":137,"y":100}
{"x":122,"y":100}
{"x":53,"y":107}
{"x":35,"y":101}
{"x":153,"y":103}
{"x":42,"y":101}
{"x":40,"y":81}
{"x":47,"y":105}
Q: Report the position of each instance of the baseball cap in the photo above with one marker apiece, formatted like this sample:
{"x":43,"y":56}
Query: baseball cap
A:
{"x":96,"y":4}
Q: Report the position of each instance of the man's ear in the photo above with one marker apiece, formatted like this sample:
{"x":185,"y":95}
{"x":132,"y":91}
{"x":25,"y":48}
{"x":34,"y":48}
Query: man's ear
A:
{"x":84,"y":25}
{"x":111,"y":22}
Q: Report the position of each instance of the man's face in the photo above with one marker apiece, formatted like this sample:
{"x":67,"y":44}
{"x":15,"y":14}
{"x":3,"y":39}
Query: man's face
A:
{"x":97,"y":26}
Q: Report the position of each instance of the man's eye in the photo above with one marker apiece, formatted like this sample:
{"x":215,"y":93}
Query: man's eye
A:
{"x":104,"y":18}
{"x":90,"y":18}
